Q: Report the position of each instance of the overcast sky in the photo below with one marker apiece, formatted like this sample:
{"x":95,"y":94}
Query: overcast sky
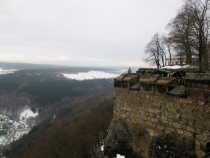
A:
{"x":81,"y":32}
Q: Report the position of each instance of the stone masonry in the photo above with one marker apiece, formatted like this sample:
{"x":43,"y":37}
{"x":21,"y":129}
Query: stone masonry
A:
{"x":188,"y":117}
{"x":158,"y":116}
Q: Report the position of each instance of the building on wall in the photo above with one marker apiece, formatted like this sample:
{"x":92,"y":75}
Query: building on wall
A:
{"x":178,"y":61}
{"x":175,"y":61}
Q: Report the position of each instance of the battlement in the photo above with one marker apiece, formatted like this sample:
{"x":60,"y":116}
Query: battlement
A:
{"x":170,"y":82}
{"x":165,"y":102}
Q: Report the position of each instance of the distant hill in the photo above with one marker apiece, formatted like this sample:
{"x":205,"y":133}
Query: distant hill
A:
{"x":21,"y":66}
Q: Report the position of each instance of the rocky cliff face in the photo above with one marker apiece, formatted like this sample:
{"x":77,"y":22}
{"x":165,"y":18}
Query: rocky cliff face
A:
{"x":135,"y":141}
{"x":13,"y":103}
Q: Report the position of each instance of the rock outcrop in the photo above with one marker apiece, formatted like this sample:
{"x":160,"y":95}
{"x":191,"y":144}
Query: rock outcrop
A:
{"x":135,"y":141}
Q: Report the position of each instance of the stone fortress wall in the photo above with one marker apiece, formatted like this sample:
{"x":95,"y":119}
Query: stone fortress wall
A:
{"x":181,"y":111}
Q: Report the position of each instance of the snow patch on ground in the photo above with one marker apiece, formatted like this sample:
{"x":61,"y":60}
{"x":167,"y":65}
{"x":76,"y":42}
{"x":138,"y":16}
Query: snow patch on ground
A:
{"x":176,"y":67}
{"x":28,"y":113}
{"x":102,"y":148}
{"x":93,"y":75}
{"x":120,"y":156}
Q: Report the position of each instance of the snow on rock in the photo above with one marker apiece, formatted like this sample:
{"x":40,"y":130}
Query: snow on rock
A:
{"x":92,"y":75}
{"x":120,"y":156}
{"x":28,"y":113}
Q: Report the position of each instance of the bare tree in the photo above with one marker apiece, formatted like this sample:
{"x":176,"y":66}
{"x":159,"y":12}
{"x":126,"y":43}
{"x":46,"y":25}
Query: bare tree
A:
{"x":189,"y":32}
{"x":154,"y":51}
{"x":168,"y":44}
{"x":201,"y":30}
{"x":181,"y":33}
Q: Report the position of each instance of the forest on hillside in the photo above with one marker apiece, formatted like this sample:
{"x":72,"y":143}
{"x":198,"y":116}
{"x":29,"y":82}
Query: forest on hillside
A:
{"x":48,"y":86}
{"x":73,"y":115}
{"x":78,"y":130}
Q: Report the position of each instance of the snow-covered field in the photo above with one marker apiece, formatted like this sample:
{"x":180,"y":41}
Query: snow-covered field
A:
{"x":6,"y":71}
{"x":94,"y":75}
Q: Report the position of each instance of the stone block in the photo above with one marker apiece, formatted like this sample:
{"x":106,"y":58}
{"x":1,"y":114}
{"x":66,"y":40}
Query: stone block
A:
{"x":172,"y":109}
{"x":190,"y":122}
{"x":207,"y":109}
{"x":125,"y":104}
{"x":177,"y":104}
{"x":152,"y":115}
{"x":206,"y":132}
{"x":171,"y":116}
{"x":149,"y":123}
{"x":169,"y":104}
{"x":127,"y":114}
{"x":151,"y":110}
{"x":129,"y":109}
{"x":201,"y":103}
{"x":143,"y":117}
{"x":196,"y":113}
{"x":199,"y":136}
{"x":157,"y":111}
{"x":148,"y":118}
{"x":189,"y":119}
{"x":188,"y":134}
{"x":183,"y":122}
{"x":207,"y":127}
{"x":123,"y":116}
{"x":147,"y":96}
{"x":205,"y":116}
{"x":154,"y":120}
{"x":160,"y":127}
{"x":177,"y":125}
{"x":190,"y":129}
{"x":183,"y":126}
{"x":197,"y":142}
{"x":180,"y":131}
{"x":199,"y":125}
{"x":199,"y":119}
{"x":165,"y":113}
{"x":170,"y":121}
{"x":199,"y":152}
{"x":189,"y":107}
{"x":158,"y":116}
{"x":186,"y":101}
{"x":163,"y":118}
{"x":178,"y":116}
{"x":165,"y":122}
{"x":197,"y":131}
{"x":142,"y":113}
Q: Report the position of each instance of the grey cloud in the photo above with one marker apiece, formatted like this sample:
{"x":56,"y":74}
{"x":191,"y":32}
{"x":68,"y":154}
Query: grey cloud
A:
{"x":81,"y":30}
